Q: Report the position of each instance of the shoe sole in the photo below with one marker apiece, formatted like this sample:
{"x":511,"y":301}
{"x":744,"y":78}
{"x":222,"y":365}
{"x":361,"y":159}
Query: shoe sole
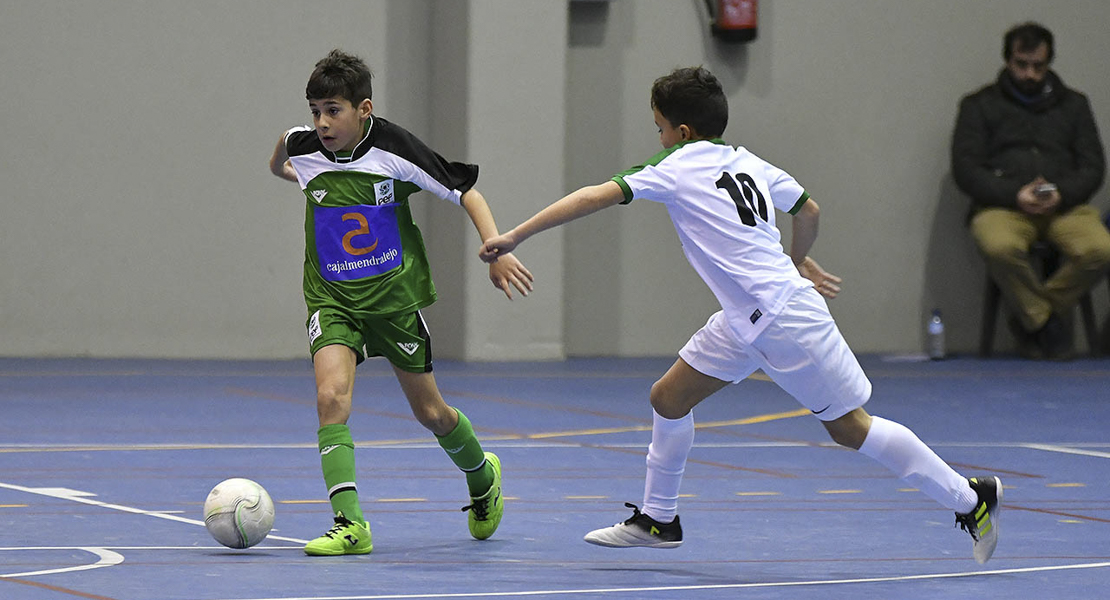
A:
{"x":984,"y":552}
{"x":327,"y":553}
{"x":658,"y":545}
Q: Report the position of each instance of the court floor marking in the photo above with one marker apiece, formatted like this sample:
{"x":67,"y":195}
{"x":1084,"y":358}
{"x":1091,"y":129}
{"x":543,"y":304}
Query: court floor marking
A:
{"x":1067,"y":450}
{"x":421,"y":442}
{"x":214,"y":546}
{"x":108,"y":558}
{"x":518,"y":442}
{"x":477,"y":372}
{"x":79,"y":496}
{"x":721,"y":586}
{"x":638,"y":428}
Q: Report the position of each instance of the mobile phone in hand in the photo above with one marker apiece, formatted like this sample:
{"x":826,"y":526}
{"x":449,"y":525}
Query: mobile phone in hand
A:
{"x":1044,"y":189}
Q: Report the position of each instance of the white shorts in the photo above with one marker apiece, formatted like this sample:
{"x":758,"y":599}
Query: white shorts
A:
{"x":801,"y":350}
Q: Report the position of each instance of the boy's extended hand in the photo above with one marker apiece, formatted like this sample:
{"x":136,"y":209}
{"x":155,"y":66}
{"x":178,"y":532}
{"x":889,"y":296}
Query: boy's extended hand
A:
{"x":496,"y":246}
{"x":827,"y":284}
{"x":506,"y":272}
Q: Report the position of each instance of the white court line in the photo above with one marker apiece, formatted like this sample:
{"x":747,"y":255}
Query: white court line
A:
{"x":721,"y":586}
{"x":76,"y":496}
{"x":1067,"y":450}
{"x":1068,"y":447}
{"x":124,"y":548}
{"x":133,"y":447}
{"x":107,"y":559}
{"x":1071,"y":447}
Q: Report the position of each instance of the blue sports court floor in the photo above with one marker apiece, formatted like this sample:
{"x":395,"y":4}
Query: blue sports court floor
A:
{"x":104,"y":465}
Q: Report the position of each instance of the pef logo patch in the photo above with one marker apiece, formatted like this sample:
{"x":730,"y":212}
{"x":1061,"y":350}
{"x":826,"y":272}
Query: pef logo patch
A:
{"x":383,"y":192}
{"x":318,"y":195}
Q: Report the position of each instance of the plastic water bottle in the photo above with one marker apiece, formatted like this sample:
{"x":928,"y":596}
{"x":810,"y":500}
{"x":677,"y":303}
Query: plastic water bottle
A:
{"x":935,"y":338}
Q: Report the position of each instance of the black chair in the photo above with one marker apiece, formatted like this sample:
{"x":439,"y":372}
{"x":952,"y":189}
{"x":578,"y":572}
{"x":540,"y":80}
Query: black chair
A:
{"x":1105,"y":346}
{"x":1106,"y":222}
{"x":1045,"y":258}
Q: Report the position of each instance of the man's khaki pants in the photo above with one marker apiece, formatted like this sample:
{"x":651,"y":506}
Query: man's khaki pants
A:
{"x":1004,"y":237}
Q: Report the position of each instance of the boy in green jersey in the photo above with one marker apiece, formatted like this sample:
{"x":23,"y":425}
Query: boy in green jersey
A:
{"x":366,"y":277}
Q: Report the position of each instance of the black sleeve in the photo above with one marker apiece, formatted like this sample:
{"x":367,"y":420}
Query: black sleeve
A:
{"x":302,"y":140}
{"x":1080,"y":182}
{"x":428,"y":164}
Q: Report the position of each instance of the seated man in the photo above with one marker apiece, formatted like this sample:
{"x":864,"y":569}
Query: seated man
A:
{"x":1027,"y":151}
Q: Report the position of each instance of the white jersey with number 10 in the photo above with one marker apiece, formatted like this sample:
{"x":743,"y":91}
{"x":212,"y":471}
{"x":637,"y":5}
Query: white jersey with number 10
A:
{"x":722,"y":202}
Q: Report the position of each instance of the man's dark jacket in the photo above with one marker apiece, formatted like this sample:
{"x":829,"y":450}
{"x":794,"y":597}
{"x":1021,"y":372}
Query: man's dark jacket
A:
{"x":1003,"y":141}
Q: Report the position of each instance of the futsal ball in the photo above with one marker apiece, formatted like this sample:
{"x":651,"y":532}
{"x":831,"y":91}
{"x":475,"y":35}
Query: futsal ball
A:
{"x":238,"y":513}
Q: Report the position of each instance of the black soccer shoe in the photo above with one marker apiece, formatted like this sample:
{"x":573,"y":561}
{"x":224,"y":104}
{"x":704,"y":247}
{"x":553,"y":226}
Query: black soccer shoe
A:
{"x":982,"y":522}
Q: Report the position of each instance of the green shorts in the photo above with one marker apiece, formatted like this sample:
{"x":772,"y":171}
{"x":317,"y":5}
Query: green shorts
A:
{"x":403,"y":339}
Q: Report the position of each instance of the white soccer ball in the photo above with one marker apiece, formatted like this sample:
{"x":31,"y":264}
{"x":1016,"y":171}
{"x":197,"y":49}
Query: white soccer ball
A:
{"x":238,"y":513}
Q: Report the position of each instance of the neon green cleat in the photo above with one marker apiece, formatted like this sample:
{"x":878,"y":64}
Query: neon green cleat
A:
{"x":345,"y":537}
{"x":486,"y":510}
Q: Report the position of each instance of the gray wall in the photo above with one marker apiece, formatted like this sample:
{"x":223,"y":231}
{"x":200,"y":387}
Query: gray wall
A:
{"x":140,"y":219}
{"x":856,"y":98}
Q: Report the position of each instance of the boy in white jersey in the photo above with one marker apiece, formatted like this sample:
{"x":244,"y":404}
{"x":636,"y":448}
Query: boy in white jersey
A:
{"x":722,"y":202}
{"x":366,"y":277}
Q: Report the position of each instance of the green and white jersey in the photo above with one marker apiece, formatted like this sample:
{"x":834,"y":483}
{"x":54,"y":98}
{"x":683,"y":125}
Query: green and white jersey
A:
{"x":717,"y":197}
{"x":363,"y":253}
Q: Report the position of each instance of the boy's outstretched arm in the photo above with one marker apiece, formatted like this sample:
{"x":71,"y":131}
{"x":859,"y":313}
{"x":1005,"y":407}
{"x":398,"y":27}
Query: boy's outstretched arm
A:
{"x":804,"y":234}
{"x":577,"y":204}
{"x":507,"y":272}
{"x":279,"y":162}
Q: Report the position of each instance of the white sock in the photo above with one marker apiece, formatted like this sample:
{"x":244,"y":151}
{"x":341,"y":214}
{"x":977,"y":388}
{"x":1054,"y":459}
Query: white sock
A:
{"x":898,"y":449}
{"x":671,"y":440}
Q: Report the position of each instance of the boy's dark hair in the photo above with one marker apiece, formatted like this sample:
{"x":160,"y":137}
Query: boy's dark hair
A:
{"x":693,"y":96}
{"x":340,"y":75}
{"x":1025,"y":38}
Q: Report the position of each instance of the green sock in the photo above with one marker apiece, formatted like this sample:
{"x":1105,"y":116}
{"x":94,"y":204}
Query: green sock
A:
{"x":464,"y":450}
{"x":337,"y":457}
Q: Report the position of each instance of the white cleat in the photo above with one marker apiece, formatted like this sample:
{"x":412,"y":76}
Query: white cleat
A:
{"x":639,"y":531}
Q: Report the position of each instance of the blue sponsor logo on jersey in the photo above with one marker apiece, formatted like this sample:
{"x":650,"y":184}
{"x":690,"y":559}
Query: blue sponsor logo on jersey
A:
{"x":355,"y":242}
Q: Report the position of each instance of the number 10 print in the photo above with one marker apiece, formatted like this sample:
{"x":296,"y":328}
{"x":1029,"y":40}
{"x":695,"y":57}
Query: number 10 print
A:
{"x":745,"y":195}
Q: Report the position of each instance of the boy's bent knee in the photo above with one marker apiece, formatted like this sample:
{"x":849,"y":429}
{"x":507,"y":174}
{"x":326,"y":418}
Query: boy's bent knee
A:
{"x":850,"y":430}
{"x":333,"y":401}
{"x":680,"y":389}
{"x":665,"y":403}
{"x":332,"y":408}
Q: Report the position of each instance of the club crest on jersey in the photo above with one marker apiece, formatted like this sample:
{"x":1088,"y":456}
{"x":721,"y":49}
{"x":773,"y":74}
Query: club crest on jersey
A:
{"x":383,"y":192}
{"x":318,"y":195}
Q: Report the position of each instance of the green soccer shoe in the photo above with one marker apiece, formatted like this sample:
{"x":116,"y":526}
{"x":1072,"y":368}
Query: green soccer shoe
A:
{"x":486,"y":510}
{"x":345,"y":537}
